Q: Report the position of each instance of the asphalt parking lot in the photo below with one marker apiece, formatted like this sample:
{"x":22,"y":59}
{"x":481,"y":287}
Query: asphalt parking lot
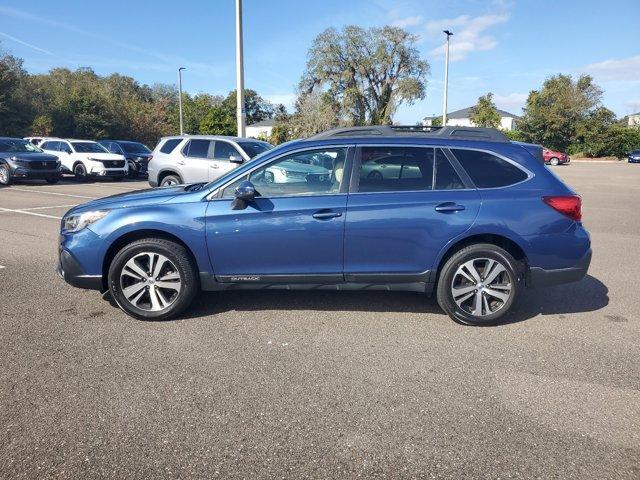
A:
{"x":320,"y":384}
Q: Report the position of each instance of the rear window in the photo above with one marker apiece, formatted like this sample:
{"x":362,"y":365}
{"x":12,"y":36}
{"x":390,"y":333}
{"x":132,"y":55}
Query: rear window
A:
{"x":198,"y":148}
{"x":170,"y":145}
{"x":395,"y":169}
{"x":487,"y":170}
{"x":446,"y":176}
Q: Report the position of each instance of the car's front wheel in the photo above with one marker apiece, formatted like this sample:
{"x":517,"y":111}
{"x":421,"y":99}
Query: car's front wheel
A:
{"x":80,"y":172}
{"x":479,"y":284}
{"x":554,"y":161}
{"x":153,"y":279}
{"x":5,"y":175}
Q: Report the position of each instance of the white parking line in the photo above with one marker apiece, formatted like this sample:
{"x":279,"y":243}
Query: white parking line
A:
{"x":30,"y":190}
{"x":45,"y":208}
{"x":29,"y":213}
{"x":2,"y":266}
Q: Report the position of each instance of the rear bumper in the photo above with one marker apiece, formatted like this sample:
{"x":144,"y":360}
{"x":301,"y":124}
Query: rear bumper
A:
{"x":71,"y":272}
{"x":539,"y":277}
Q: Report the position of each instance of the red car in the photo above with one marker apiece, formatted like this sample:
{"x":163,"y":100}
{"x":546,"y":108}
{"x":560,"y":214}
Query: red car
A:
{"x":554,"y":158}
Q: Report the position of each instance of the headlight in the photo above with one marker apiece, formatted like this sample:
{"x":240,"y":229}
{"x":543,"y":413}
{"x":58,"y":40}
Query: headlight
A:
{"x":75,"y":223}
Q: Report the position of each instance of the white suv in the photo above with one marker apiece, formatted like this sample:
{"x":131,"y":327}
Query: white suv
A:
{"x":199,"y":158}
{"x":85,"y":158}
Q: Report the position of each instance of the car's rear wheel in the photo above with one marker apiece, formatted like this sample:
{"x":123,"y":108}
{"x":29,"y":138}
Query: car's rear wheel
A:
{"x":479,"y":284}
{"x":170,"y":180}
{"x":5,"y":175}
{"x":80,"y":172}
{"x":153,"y":279}
{"x":554,"y":161}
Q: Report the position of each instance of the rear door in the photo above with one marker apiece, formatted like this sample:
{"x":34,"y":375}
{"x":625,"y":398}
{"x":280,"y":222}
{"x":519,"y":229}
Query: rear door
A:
{"x":401,"y":215}
{"x":195,"y":160}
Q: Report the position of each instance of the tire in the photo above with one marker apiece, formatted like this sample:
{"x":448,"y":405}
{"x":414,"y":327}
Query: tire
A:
{"x":456,"y":274}
{"x":52,"y":181}
{"x":80,"y":172}
{"x":141,"y":296}
{"x":170,"y":180}
{"x":133,"y":172}
{"x":554,"y":161}
{"x":375,"y":176}
{"x":5,"y":175}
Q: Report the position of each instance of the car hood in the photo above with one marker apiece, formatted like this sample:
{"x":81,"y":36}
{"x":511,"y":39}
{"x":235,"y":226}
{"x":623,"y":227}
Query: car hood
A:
{"x":31,"y":157}
{"x":150,"y":196}
{"x":101,"y":156}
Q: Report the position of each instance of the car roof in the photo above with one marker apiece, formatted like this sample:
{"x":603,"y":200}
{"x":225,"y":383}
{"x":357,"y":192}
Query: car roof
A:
{"x":209,"y":137}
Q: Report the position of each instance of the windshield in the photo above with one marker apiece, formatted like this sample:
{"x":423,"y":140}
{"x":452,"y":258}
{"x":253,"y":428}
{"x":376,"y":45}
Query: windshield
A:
{"x":255,"y":148}
{"x":134,"y":147}
{"x":88,"y":147}
{"x":18,"y":146}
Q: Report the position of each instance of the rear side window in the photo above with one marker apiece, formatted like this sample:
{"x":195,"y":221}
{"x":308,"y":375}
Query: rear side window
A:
{"x":487,"y":170}
{"x":446,"y":176}
{"x":394,"y":169}
{"x":170,"y":145}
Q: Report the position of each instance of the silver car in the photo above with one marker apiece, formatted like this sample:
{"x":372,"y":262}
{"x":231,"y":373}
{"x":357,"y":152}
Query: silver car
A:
{"x":199,"y":158}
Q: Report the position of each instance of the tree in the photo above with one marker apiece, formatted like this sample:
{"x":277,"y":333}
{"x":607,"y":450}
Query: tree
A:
{"x":485,"y":113}
{"x":315,"y":112}
{"x":366,"y":73}
{"x":256,"y":107}
{"x":218,"y":121}
{"x":593,"y":133}
{"x":553,"y":113}
{"x":42,"y":126}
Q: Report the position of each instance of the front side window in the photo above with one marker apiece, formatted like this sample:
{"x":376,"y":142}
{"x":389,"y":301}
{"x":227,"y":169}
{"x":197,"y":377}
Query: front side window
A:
{"x":395,"y":169}
{"x":18,"y":146}
{"x":487,"y":170}
{"x":297,"y":174}
{"x":224,"y":151}
{"x":133,"y":147}
{"x":198,"y":148}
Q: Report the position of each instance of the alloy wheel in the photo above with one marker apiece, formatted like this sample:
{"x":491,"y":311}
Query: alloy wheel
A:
{"x":481,"y":286}
{"x":4,"y":175}
{"x":150,"y":281}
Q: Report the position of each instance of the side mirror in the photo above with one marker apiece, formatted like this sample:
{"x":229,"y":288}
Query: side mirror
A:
{"x":245,"y":194}
{"x":68,"y":151}
{"x":235,"y":159}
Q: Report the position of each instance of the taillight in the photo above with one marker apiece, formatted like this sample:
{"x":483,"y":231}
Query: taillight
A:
{"x":569,"y":205}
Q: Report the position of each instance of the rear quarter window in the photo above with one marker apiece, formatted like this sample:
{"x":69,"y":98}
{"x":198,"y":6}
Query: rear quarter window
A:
{"x":487,"y":170}
{"x":170,"y":145}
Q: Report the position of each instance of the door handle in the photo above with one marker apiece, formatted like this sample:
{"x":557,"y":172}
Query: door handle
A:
{"x":326,"y":215}
{"x":449,"y":207}
{"x":214,"y":165}
{"x":180,"y":162}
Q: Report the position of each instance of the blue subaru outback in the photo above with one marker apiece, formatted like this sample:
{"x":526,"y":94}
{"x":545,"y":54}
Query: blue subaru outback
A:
{"x":462,"y":212}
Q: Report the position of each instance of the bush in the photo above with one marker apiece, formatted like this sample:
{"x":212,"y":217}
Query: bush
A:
{"x":515,"y":135}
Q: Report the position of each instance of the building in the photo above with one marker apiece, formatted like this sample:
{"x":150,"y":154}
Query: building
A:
{"x":260,"y":129}
{"x":634,"y":120}
{"x":461,"y":118}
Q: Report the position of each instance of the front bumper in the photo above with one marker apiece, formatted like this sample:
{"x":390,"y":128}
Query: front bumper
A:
{"x":71,"y":272}
{"x":539,"y":277}
{"x":35,"y":174}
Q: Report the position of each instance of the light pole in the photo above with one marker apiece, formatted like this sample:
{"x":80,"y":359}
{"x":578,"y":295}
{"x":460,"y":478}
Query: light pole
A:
{"x":240,"y":111}
{"x":180,"y":98}
{"x":446,"y":79}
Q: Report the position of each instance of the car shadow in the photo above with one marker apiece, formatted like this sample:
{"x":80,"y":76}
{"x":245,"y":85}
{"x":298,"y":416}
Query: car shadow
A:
{"x":588,"y":295}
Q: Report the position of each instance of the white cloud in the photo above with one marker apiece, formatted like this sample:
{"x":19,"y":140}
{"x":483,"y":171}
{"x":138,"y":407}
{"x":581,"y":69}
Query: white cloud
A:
{"x":615,"y":70}
{"x":407,"y":21}
{"x":287,"y":99}
{"x":468,"y":34}
{"x":26,"y":44}
{"x":511,"y":101}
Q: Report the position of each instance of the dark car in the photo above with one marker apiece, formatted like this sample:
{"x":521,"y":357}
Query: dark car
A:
{"x":634,"y":157}
{"x":20,"y":159}
{"x":136,"y":153}
{"x":468,"y":215}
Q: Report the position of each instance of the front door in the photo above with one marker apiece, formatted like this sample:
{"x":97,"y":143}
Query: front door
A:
{"x":409,"y":203}
{"x":195,"y":161}
{"x":293,"y":232}
{"x":225,"y":158}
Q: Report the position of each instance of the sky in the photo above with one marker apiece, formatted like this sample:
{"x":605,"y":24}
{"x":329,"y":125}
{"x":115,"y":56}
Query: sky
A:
{"x":506,"y":47}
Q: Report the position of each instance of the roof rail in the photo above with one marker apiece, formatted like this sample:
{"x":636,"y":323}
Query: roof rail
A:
{"x":421,"y":131}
